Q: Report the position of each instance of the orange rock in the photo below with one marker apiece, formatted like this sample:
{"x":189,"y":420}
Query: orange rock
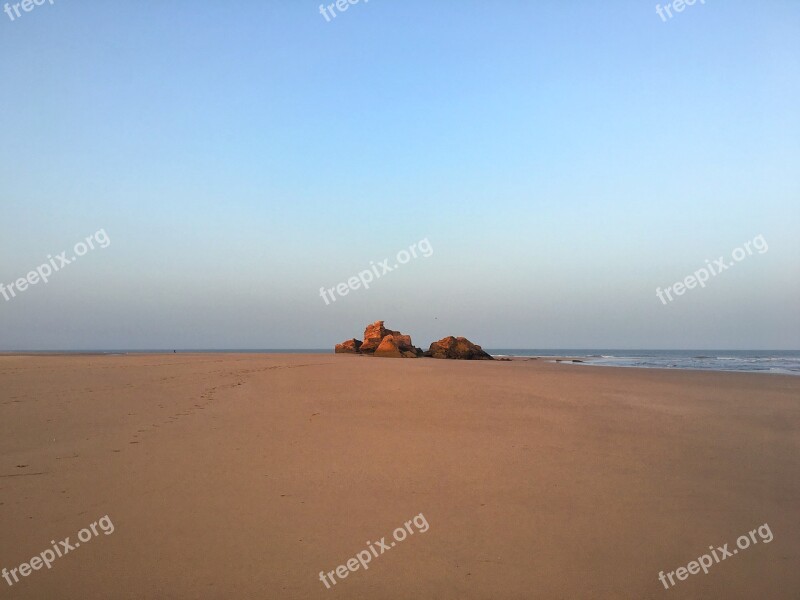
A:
{"x":348,"y":347}
{"x":388,"y":348}
{"x":457,"y":348}
{"x":403,"y":341}
{"x":399,"y":346}
{"x":373,"y":336}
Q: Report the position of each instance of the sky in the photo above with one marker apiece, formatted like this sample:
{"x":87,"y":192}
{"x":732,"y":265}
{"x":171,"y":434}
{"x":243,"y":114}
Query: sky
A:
{"x":563,"y":160}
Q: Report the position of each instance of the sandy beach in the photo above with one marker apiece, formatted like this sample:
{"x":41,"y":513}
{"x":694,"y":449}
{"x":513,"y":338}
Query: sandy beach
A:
{"x":245,"y":476}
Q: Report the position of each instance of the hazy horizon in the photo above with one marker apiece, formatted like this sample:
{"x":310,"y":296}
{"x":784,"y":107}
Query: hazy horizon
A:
{"x":320,"y":349}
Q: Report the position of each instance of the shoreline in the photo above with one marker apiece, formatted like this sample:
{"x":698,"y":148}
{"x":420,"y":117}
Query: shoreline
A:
{"x":580,"y":359}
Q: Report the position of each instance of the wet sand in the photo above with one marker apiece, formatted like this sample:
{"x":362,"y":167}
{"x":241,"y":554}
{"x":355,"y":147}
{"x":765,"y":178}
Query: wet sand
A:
{"x":244,"y":476}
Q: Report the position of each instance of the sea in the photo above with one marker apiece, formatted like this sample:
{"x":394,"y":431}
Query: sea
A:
{"x":786,"y":362}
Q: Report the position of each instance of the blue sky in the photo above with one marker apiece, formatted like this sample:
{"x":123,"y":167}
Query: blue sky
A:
{"x":564,"y":159}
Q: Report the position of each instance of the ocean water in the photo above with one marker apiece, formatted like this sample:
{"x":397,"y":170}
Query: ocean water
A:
{"x":762,"y":361}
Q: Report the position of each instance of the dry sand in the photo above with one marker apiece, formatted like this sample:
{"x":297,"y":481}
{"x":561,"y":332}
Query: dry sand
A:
{"x":244,"y":476}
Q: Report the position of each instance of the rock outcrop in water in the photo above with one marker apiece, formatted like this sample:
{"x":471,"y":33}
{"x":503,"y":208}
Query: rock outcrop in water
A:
{"x":387,"y":343}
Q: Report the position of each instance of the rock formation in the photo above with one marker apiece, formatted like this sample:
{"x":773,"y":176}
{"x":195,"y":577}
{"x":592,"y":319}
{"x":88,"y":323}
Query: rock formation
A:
{"x":373,"y":336}
{"x":386,"y":343}
{"x":459,"y":348}
{"x":394,"y":346}
{"x":388,"y":348}
{"x":390,"y":343}
{"x":380,"y":341}
{"x":348,"y":347}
